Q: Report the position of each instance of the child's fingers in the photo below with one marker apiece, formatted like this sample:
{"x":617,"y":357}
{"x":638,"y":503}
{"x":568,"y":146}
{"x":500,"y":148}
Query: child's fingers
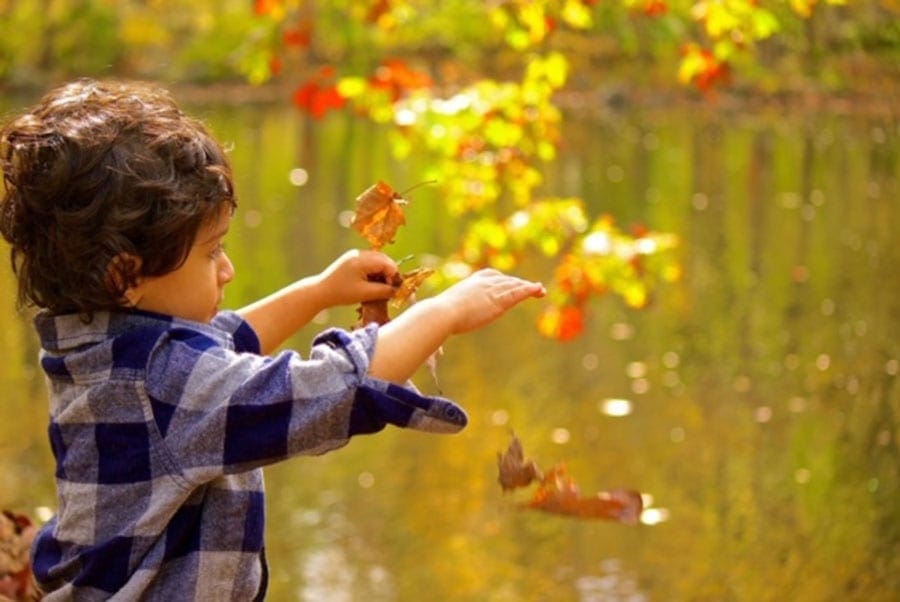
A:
{"x":375,"y":262}
{"x":376,"y":291}
{"x":516,"y":292}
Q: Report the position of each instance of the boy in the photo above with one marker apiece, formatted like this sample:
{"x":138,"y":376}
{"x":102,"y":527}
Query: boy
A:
{"x":163,"y":409}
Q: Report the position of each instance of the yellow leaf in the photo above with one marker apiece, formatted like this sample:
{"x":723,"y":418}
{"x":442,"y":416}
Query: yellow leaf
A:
{"x":803,"y":8}
{"x":351,"y":87}
{"x":577,"y":14}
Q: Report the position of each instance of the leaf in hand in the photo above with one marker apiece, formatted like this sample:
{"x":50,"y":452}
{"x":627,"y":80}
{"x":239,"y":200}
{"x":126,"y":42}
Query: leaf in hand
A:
{"x":376,"y":310}
{"x":515,"y":471}
{"x":410,"y":281}
{"x":405,"y":286}
{"x":379,"y":213}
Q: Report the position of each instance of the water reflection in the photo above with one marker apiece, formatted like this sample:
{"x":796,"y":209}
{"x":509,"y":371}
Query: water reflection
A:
{"x":756,"y":400}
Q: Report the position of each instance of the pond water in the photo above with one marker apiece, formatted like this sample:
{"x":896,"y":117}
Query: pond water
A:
{"x":758,"y":397}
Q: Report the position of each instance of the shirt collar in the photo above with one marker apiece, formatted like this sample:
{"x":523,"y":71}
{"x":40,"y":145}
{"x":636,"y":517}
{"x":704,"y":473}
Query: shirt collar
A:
{"x":62,"y":332}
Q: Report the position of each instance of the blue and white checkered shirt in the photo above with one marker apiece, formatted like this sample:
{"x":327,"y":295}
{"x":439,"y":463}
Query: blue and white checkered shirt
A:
{"x":160,"y":428}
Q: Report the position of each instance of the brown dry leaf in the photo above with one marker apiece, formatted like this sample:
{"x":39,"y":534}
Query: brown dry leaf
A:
{"x":373,"y":311}
{"x":515,"y":471}
{"x":379,"y":213}
{"x":559,"y":494}
{"x":410,"y":281}
{"x":16,"y":534}
{"x":405,"y":286}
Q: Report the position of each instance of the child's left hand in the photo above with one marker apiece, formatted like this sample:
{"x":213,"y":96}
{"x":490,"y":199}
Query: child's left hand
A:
{"x":349,"y":278}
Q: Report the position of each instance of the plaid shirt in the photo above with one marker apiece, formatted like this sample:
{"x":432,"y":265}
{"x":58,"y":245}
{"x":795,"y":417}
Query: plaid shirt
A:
{"x":160,"y":428}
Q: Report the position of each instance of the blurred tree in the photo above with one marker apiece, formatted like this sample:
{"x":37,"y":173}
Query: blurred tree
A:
{"x":474,"y":88}
{"x":488,"y":124}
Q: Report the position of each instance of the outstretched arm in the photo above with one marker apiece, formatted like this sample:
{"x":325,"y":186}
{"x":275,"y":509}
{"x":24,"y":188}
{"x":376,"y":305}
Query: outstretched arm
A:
{"x":408,"y":340}
{"x":345,"y":282}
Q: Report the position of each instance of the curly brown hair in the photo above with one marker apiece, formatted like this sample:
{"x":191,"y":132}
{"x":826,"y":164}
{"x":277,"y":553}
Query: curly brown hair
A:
{"x":96,"y":175}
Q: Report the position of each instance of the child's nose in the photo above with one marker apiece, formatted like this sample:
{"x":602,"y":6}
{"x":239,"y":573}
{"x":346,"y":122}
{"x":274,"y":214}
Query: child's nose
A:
{"x":226,"y":270}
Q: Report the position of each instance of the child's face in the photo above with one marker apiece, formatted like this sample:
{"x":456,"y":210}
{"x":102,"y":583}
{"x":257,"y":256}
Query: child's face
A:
{"x":195,"y":289}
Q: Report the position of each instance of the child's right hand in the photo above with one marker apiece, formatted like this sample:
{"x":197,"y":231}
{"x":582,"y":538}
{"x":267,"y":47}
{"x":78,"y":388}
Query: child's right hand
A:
{"x":484,"y":296}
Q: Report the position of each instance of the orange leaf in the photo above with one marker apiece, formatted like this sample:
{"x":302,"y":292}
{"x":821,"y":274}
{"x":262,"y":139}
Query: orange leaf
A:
{"x":410,"y":281}
{"x":655,"y":8}
{"x":558,"y":493}
{"x":379,"y":212}
{"x":264,"y":7}
{"x":405,"y":286}
{"x":395,"y":76}
{"x":378,"y":9}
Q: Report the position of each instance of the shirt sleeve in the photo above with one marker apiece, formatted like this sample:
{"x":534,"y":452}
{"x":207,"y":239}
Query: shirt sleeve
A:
{"x":220,"y":411}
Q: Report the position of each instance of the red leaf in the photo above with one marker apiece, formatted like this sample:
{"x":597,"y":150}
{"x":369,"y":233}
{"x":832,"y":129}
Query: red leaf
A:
{"x":571,"y":323}
{"x":303,"y":94}
{"x":317,"y":100}
{"x":395,"y":76}
{"x":275,"y":65}
{"x":296,"y":37}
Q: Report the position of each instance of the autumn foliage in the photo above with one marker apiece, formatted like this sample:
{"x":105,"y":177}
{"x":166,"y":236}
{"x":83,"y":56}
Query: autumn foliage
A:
{"x":487,"y":142}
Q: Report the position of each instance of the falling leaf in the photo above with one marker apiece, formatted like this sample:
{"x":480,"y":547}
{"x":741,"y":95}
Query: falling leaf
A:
{"x":558,"y":493}
{"x":379,"y":213}
{"x":515,"y":471}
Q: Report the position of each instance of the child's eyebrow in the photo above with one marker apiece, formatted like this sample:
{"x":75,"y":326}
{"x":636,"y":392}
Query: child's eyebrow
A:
{"x":217,"y":235}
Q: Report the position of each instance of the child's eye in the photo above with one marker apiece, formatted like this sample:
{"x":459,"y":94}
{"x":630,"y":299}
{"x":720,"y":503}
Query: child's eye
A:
{"x":217,"y":251}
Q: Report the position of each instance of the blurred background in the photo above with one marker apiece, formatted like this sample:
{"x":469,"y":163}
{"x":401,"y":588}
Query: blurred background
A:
{"x":708,"y":188}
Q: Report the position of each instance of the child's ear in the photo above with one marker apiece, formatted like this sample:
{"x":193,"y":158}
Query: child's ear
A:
{"x":122,"y":273}
{"x":132,"y":296}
